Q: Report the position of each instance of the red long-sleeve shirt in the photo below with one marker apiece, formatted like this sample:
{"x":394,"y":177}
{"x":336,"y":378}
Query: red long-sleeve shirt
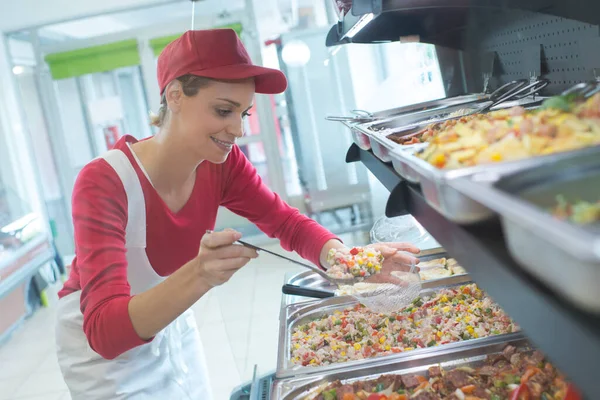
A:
{"x":99,"y":269}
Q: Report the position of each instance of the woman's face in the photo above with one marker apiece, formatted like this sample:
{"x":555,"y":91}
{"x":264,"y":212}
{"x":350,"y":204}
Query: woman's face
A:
{"x":211,"y":121}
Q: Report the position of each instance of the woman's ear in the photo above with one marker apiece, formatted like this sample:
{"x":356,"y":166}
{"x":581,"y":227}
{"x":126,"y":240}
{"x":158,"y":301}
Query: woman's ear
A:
{"x":174,"y":95}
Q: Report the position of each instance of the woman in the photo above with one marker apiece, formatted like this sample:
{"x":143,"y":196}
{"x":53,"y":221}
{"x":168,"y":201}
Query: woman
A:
{"x":141,"y":212}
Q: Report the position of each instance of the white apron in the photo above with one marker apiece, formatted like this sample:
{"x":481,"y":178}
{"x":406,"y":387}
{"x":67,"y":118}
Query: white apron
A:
{"x":171,"y":367}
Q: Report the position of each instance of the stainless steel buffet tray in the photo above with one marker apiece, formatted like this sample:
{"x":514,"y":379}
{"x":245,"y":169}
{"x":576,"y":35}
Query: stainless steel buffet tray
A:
{"x":563,"y":255}
{"x":361,"y":136}
{"x":297,"y":314}
{"x":440,"y":194}
{"x":470,"y":353}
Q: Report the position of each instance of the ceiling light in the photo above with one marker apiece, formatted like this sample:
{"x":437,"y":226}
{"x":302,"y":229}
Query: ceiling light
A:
{"x":18,"y":70}
{"x":296,"y":53}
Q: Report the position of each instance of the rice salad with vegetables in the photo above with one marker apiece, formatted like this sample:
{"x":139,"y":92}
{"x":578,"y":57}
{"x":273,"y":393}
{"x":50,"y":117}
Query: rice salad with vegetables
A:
{"x":354,"y":263}
{"x":453,"y":315}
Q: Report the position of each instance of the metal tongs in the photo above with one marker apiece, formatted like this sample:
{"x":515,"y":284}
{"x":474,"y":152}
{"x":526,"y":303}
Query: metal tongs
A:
{"x":583,"y":89}
{"x":518,"y":92}
{"x":313,"y":268}
{"x":308,"y":266}
{"x":361,"y":116}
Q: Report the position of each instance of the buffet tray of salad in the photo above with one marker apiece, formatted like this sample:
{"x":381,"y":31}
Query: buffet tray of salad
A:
{"x":551,"y":219}
{"x":322,"y":336}
{"x":490,"y":146}
{"x":501,"y":368}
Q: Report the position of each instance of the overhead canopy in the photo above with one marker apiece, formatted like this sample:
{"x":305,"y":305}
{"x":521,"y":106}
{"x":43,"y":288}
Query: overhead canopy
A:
{"x":95,"y":59}
{"x":158,"y":44}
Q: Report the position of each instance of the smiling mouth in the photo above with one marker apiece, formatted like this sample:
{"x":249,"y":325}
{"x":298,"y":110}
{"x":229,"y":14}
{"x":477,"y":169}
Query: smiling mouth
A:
{"x":223,"y":143}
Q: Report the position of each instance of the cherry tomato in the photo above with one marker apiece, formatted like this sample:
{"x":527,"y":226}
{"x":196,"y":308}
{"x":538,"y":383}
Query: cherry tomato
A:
{"x":354,"y":251}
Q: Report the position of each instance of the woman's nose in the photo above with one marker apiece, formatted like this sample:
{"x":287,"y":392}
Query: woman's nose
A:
{"x":237,"y":130}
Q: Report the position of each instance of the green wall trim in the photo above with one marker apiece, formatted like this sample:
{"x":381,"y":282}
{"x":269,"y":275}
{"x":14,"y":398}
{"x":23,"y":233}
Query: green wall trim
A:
{"x":95,"y":59}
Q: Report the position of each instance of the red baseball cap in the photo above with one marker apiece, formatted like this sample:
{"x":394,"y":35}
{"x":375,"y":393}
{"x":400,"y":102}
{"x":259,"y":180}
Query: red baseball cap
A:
{"x":217,"y":54}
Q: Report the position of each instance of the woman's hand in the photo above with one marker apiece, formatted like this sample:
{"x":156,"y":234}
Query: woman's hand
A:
{"x":396,"y":257}
{"x":219,"y":258}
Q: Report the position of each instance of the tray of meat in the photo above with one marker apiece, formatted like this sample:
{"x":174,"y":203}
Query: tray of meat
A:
{"x":501,"y":143}
{"x":325,"y":335}
{"x":496,"y":370}
{"x":551,"y":220}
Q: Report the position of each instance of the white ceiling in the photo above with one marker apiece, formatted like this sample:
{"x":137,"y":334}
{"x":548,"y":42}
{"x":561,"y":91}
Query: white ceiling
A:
{"x":131,"y":20}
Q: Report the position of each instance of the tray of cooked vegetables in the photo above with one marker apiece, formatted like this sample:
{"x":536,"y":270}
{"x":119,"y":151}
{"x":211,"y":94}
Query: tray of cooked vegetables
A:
{"x":324,"y":335}
{"x":497,"y":144}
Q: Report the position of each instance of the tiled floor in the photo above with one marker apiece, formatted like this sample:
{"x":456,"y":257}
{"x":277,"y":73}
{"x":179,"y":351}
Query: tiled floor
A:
{"x":238,"y":323}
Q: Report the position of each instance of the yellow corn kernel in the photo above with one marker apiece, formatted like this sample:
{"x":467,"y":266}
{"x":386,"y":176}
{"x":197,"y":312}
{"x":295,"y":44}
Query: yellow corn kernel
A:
{"x":444,"y":299}
{"x":470,"y":330}
{"x":334,"y":348}
{"x":382,"y":340}
{"x":313,"y":361}
{"x":388,"y":347}
{"x":360,"y":262}
{"x":467,"y":318}
{"x":408,"y":348}
{"x":475,"y":335}
{"x":418,"y":323}
{"x":439,"y":334}
{"x":370,"y":265}
{"x":439,"y":160}
{"x":436,"y":308}
{"x":496,"y":156}
{"x":343,"y":354}
{"x":369,"y":254}
{"x":462,"y":302}
{"x":297,"y":345}
{"x":357,"y":346}
{"x":446,"y":309}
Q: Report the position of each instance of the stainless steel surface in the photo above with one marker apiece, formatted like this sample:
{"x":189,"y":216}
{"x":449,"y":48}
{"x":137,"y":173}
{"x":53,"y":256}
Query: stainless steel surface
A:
{"x":297,"y":314}
{"x":462,"y":354}
{"x":361,"y":139}
{"x":403,"y":166}
{"x":313,"y":268}
{"x":455,"y":205}
{"x":433,"y":104}
{"x":380,"y":148}
{"x":415,"y":119}
{"x":563,"y":255}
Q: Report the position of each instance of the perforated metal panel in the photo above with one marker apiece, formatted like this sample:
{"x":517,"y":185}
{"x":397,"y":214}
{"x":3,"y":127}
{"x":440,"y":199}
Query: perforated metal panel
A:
{"x":531,"y":43}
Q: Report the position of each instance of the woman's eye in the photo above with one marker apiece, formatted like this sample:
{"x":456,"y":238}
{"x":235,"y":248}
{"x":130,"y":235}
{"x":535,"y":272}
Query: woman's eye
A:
{"x":223,"y":113}
{"x":246,"y":114}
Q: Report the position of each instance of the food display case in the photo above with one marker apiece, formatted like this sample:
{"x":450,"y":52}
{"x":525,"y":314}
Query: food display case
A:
{"x":523,"y":230}
{"x":25,"y":246}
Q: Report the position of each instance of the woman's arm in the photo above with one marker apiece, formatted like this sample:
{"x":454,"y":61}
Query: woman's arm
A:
{"x":113,"y":320}
{"x":218,"y":259}
{"x":245,"y":194}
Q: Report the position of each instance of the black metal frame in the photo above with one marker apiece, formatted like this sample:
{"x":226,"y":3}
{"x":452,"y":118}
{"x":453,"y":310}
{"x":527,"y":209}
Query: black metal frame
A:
{"x":570,"y":337}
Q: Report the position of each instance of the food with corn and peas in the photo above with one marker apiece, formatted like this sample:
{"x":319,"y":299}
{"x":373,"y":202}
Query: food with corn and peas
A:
{"x":452,"y":315}
{"x":354,"y":263}
{"x":561,"y":124}
{"x":511,"y":375}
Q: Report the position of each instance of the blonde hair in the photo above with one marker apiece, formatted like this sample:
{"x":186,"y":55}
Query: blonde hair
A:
{"x":191,"y":85}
